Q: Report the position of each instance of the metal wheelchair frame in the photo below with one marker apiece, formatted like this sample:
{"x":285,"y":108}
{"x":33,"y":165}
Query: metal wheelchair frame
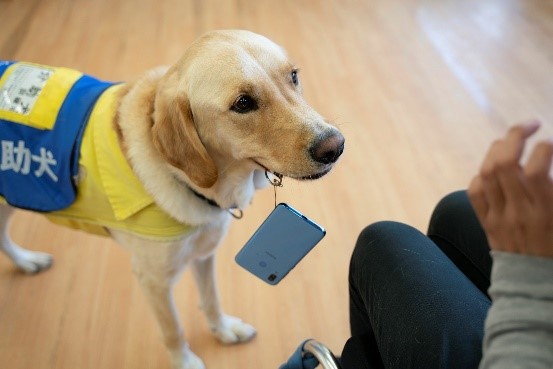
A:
{"x":325,"y":357}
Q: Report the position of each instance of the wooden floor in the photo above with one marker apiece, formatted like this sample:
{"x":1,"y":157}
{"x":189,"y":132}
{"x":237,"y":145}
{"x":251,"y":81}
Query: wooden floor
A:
{"x":419,"y":89}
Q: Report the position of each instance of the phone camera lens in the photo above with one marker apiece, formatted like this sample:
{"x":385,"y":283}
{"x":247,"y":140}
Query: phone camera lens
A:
{"x":272,"y":277}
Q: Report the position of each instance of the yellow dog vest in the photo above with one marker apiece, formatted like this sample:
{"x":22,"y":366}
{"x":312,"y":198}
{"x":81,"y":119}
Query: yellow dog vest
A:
{"x":108,"y":193}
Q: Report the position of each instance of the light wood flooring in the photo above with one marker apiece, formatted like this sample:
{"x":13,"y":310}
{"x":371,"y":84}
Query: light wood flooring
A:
{"x":419,"y":89}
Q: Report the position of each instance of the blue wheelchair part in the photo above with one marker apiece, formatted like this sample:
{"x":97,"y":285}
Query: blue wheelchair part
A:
{"x":309,"y":355}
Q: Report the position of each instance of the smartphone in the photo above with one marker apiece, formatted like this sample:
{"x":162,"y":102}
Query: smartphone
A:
{"x":283,"y":239}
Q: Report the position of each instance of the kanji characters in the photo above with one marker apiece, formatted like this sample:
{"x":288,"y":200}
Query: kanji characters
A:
{"x":18,"y":158}
{"x":45,"y":160}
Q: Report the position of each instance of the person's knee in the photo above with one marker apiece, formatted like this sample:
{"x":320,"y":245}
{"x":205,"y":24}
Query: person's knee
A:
{"x":454,"y":208}
{"x":383,"y":233}
{"x":379,"y":241}
{"x":454,"y":201}
{"x":375,"y":235}
{"x":454,"y":219}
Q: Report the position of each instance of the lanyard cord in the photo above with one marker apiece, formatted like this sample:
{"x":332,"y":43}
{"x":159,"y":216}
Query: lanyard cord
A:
{"x":275,"y":181}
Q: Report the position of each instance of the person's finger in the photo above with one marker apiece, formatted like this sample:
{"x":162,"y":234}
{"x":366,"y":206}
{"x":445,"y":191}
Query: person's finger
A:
{"x":488,"y":177}
{"x":500,"y":170}
{"x":507,"y":163}
{"x":477,"y":197}
{"x":516,"y":138}
{"x":537,"y":170}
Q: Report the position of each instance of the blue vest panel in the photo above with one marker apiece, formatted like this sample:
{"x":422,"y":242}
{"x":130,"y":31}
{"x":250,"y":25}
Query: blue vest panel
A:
{"x":38,"y":165}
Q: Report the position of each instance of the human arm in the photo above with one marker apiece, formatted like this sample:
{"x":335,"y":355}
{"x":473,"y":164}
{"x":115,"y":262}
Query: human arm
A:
{"x":514,"y":203}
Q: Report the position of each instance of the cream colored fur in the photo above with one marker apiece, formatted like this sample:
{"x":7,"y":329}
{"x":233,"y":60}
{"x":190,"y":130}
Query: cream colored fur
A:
{"x":179,"y":129}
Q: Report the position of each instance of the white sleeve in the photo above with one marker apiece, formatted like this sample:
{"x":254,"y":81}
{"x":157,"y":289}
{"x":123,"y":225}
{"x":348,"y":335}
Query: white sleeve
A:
{"x":519,"y":326}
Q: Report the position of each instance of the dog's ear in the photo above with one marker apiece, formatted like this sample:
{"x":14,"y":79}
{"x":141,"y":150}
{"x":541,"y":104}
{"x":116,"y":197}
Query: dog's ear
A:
{"x":175,"y":136}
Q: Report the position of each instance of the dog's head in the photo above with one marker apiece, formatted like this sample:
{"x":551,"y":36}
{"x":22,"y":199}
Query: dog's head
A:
{"x":235,"y":96}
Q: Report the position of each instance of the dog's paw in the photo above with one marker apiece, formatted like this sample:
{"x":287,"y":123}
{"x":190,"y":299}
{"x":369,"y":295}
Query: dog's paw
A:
{"x":186,"y":360}
{"x":231,"y":330}
{"x":32,"y":262}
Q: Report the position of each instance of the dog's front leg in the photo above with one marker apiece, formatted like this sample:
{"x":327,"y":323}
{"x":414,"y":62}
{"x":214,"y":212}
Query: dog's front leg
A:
{"x":157,"y":266}
{"x":160,"y":297}
{"x":228,"y":329}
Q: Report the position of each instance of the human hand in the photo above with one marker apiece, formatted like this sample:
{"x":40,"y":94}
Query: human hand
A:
{"x":514,"y":202}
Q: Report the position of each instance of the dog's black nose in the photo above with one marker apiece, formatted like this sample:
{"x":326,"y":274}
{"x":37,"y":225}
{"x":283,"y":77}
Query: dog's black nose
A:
{"x":329,"y":149}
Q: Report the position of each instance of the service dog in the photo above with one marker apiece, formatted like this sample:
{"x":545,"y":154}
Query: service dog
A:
{"x":159,"y":164}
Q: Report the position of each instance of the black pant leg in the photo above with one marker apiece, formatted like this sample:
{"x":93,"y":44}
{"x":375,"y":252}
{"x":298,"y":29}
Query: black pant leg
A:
{"x":455,"y":228}
{"x":410,"y":304}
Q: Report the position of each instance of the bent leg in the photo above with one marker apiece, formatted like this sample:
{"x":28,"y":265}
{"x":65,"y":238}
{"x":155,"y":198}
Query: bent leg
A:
{"x":409,"y":305}
{"x":455,"y":228}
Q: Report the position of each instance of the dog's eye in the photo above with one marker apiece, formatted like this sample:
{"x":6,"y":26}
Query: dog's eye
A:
{"x":295,"y":78}
{"x":244,"y":104}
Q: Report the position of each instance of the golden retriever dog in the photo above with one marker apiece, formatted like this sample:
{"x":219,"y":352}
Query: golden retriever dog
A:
{"x":197,"y":138}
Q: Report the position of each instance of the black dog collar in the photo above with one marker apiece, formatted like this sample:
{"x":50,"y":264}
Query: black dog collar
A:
{"x":234,"y":211}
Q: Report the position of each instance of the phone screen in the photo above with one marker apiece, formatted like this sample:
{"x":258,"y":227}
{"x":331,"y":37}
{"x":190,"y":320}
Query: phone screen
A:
{"x":283,"y":239}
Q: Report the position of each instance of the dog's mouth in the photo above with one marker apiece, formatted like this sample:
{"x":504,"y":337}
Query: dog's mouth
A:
{"x":309,"y":177}
{"x":315,"y":176}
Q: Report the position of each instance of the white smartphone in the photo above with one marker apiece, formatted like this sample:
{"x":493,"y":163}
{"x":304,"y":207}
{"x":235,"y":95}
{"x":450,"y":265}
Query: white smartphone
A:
{"x":278,"y":245}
